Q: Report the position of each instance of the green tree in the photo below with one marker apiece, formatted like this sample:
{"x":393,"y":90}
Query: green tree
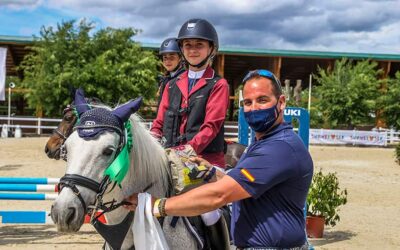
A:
{"x":316,"y":120}
{"x":348,"y":94}
{"x":391,"y":102}
{"x":108,"y":65}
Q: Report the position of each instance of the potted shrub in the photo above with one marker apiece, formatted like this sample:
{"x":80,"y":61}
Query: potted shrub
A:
{"x":323,"y":201}
{"x":397,"y":153}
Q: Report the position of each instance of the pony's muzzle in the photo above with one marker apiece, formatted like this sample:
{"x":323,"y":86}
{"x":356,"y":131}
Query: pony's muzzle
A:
{"x":67,"y":215}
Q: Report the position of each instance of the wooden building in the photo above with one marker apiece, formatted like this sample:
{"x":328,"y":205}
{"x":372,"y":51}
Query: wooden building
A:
{"x":233,"y":63}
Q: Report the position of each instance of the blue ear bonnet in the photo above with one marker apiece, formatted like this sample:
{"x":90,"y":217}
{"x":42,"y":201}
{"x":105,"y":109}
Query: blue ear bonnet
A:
{"x":93,"y":122}
{"x":97,"y":121}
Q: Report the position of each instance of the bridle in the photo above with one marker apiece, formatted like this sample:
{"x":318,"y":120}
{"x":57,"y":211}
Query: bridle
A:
{"x":95,"y":120}
{"x":69,"y":130}
{"x":113,"y":234}
{"x":73,"y":180}
{"x":64,"y":136}
{"x":60,"y":134}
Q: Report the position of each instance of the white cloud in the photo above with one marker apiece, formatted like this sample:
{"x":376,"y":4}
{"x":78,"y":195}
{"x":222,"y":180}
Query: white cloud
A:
{"x":20,"y":4}
{"x":340,"y":25}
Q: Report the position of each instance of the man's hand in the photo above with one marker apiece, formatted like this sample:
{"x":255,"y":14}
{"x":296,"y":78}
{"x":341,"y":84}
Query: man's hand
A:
{"x":217,"y":174}
{"x":201,"y":162}
{"x":133,"y":199}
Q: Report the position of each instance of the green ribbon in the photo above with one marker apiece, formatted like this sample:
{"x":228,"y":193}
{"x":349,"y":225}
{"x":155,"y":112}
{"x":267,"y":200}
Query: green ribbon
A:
{"x":120,"y":166}
{"x":76,"y":114}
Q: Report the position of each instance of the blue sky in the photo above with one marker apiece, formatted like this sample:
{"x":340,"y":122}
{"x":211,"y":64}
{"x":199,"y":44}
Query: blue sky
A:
{"x":27,"y":21}
{"x":366,"y":26}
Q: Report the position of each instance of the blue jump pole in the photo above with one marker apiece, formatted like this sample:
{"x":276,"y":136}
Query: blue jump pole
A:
{"x":28,"y":187}
{"x":27,"y":196}
{"x":25,"y":217}
{"x":35,"y":217}
{"x":28,"y":180}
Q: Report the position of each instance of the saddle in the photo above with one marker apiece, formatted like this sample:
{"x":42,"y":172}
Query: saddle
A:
{"x":215,"y":236}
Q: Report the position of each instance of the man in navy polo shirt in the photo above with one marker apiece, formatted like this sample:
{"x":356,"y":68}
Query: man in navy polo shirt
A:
{"x":276,"y":171}
{"x":268,"y":186}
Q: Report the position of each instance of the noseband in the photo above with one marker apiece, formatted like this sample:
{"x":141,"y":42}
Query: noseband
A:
{"x":72,"y":180}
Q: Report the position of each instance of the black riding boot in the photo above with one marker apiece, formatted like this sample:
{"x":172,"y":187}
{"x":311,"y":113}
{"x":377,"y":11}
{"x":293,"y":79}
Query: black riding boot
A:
{"x":218,"y":235}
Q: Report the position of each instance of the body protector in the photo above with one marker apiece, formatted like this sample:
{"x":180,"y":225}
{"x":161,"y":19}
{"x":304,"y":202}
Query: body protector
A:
{"x":165,"y":79}
{"x":196,"y":112}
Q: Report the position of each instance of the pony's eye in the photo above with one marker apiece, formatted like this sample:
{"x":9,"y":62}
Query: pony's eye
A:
{"x":108,"y":151}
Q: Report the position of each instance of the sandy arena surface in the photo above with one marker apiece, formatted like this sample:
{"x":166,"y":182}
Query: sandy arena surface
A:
{"x":370,"y":219}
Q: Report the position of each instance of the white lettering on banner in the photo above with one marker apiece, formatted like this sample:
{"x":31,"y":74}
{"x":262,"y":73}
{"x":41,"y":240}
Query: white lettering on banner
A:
{"x":353,"y":137}
{"x":3,"y":56}
{"x":293,"y":112}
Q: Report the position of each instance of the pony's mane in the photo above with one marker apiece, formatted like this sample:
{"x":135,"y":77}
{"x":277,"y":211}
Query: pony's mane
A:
{"x":148,"y":161}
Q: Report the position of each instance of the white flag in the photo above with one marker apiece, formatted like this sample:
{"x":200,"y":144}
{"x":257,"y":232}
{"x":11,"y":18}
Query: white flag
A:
{"x":3,"y":56}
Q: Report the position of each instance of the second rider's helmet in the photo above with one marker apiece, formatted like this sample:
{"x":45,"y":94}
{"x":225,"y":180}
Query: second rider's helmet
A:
{"x":169,"y":45}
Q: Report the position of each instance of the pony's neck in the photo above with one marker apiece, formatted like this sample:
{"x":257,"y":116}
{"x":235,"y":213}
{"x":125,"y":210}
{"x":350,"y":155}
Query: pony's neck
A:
{"x":149,"y":163}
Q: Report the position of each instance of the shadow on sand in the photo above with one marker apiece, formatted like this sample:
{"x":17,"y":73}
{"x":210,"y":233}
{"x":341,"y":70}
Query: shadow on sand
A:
{"x":39,"y":234}
{"x":331,"y":237}
{"x":10,"y":167}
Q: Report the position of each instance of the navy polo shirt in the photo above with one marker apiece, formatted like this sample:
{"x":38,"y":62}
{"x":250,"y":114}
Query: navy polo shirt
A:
{"x":276,"y":171}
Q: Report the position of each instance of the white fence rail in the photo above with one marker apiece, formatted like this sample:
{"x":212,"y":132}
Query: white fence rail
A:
{"x":29,"y":123}
{"x":37,"y":124}
{"x":355,"y":137}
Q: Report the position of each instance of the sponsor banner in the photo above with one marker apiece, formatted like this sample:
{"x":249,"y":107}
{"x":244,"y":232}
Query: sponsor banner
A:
{"x":352,"y":137}
{"x":3,"y":56}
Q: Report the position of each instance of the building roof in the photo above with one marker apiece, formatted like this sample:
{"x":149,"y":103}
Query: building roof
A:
{"x":16,"y":39}
{"x":17,"y":49}
{"x":250,"y":51}
{"x":295,"y":53}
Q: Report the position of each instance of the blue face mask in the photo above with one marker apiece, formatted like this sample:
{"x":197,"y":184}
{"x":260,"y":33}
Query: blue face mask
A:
{"x":261,"y":120}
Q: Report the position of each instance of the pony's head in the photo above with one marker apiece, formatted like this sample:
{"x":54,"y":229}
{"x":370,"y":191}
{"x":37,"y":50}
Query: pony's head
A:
{"x":54,"y":145}
{"x":61,"y":133}
{"x":98,"y":138}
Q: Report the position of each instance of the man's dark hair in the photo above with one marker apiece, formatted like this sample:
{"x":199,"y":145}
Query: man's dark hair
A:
{"x":276,"y":88}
